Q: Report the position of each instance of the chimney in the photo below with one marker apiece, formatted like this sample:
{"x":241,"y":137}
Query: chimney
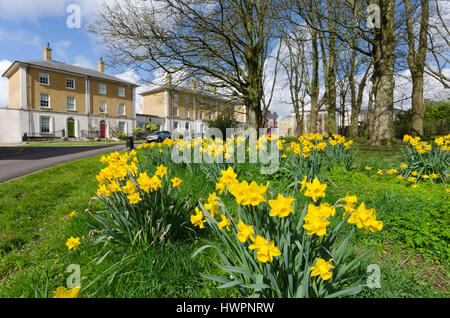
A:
{"x":101,"y":65}
{"x":193,"y":84}
{"x":213,"y":90}
{"x":47,"y":52}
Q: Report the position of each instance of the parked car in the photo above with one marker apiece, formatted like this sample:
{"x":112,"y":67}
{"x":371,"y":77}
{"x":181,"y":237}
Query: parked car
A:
{"x":194,"y":136}
{"x":159,"y":136}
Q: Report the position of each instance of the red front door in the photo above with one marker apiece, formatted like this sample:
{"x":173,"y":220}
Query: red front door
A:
{"x":102,"y":130}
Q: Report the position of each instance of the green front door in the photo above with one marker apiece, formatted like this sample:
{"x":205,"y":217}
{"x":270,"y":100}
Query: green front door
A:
{"x":71,"y":129}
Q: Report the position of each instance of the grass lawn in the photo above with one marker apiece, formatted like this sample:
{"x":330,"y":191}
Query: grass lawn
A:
{"x":412,"y":249}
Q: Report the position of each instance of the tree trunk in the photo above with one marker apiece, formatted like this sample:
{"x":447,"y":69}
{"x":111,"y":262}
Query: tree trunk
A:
{"x":384,"y":75}
{"x":370,"y":117}
{"x":418,"y":106}
{"x":416,"y":62}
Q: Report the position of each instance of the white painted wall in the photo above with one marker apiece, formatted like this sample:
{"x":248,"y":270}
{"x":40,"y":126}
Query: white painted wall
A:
{"x":10,"y":126}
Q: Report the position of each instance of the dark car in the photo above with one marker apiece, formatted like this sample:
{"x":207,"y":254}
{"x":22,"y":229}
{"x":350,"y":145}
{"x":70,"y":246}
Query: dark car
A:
{"x":159,"y":136}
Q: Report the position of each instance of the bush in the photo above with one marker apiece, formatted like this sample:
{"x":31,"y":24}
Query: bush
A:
{"x":223,"y":122}
{"x":139,"y":133}
{"x":121,"y":136}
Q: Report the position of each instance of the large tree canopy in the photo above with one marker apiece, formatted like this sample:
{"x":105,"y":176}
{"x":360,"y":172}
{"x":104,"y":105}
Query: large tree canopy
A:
{"x":222,"y":43}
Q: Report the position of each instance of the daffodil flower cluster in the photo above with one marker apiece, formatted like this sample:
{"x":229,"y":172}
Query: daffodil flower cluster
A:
{"x":122,"y":176}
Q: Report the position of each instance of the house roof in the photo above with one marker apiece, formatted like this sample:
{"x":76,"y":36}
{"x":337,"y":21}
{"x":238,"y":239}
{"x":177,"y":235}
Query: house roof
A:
{"x":63,"y":67}
{"x":271,"y":115}
{"x":189,"y":90}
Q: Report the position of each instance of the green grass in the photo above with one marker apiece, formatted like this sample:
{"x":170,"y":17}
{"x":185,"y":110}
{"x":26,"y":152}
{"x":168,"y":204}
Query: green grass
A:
{"x":411,"y":250}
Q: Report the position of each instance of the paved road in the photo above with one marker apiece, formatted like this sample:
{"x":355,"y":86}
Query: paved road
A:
{"x":17,"y":162}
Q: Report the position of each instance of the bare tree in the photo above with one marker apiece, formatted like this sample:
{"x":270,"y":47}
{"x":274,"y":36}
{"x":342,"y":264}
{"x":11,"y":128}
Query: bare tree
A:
{"x":416,"y":60}
{"x":224,"y":40}
{"x":438,"y":44}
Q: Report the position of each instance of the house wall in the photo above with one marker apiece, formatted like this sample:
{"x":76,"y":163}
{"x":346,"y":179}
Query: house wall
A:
{"x":14,"y":91}
{"x":10,"y":126}
{"x":154,"y":104}
{"x":57,"y":91}
{"x":111,"y":98}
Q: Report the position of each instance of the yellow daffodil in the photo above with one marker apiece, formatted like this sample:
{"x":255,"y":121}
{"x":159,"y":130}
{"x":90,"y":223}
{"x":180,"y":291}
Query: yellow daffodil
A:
{"x":412,"y":179}
{"x":282,"y":206}
{"x":245,"y":232}
{"x":176,"y":182}
{"x":224,"y":223}
{"x":322,"y":268}
{"x":72,"y":214}
{"x":404,"y":166}
{"x":197,"y":219}
{"x":315,"y":189}
{"x":161,"y":171}
{"x":62,"y":292}
{"x":265,"y":250}
{"x":129,"y":188}
{"x":365,"y":218}
{"x":134,"y":198}
{"x":213,"y":203}
{"x":72,"y":243}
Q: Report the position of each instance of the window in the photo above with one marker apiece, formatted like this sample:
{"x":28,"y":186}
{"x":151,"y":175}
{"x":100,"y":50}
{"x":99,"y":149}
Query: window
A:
{"x":201,"y":115}
{"x":187,"y":126}
{"x":186,"y":100}
{"x":202,"y":102}
{"x":186,"y":112}
{"x":121,"y":92}
{"x":175,"y":98}
{"x":70,"y":103}
{"x":44,"y":79}
{"x":44,"y":123}
{"x":175,"y":125}
{"x":121,"y":109}
{"x":102,"y":107}
{"x":45,"y":100}
{"x":122,"y":127}
{"x":102,"y":88}
{"x":175,"y":111}
{"x":70,"y":83}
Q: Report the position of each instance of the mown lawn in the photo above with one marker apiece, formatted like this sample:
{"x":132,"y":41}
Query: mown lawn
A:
{"x":412,"y":249}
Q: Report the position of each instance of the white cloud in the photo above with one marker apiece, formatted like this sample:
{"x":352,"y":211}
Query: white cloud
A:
{"x":60,"y":48}
{"x":83,"y":61}
{"x":32,"y":10}
{"x":20,"y":37}
{"x":4,"y":64}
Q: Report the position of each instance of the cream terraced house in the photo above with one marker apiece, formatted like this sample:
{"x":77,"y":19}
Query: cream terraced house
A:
{"x":187,"y":109}
{"x":53,"y":99}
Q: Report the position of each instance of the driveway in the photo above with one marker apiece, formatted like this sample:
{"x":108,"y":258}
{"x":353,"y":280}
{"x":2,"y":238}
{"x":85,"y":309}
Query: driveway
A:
{"x":17,"y":162}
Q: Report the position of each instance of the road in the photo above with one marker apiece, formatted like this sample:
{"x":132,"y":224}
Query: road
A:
{"x":17,"y":162}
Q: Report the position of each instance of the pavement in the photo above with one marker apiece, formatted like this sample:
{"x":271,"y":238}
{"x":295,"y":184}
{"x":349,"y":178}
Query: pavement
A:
{"x":16,"y":162}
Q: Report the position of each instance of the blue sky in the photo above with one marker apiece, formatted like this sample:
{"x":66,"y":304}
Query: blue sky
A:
{"x":27,"y":25}
{"x":24,"y":30}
